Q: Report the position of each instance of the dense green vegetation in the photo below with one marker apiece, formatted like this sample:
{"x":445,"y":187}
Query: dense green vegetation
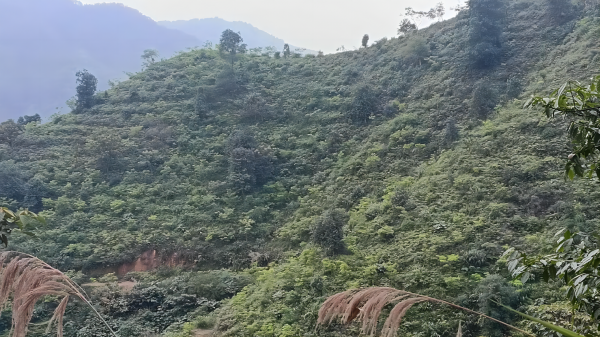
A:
{"x":408,"y":164}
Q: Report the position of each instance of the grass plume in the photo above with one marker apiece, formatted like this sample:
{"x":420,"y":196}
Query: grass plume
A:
{"x":366,"y":305}
{"x":27,"y":279}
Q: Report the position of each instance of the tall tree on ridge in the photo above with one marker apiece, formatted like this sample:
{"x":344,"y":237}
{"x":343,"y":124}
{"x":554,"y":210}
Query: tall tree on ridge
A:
{"x":230,"y":42}
{"x":286,"y":50}
{"x":86,"y":88}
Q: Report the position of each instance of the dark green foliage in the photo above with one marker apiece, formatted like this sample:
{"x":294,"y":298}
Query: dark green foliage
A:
{"x":363,"y":105}
{"x":559,"y":11}
{"x":365,"y":41}
{"x":286,"y":50}
{"x":16,"y":185}
{"x":406,"y":27}
{"x":9,"y":131}
{"x":417,"y":50}
{"x":574,"y":263}
{"x":86,"y":88}
{"x":450,"y":131}
{"x":201,"y":106}
{"x":582,"y":104}
{"x":484,"y":99}
{"x":241,"y":139}
{"x":514,"y":88}
{"x":230,"y":43}
{"x":328,"y":231}
{"x":24,"y":120}
{"x":146,"y":309}
{"x":216,"y":285}
{"x":227,"y":83}
{"x":248,"y":168}
{"x":254,"y":107}
{"x":496,"y":288}
{"x":485,"y":32}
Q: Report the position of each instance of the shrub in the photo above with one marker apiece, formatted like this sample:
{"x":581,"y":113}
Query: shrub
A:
{"x":363,"y":105}
{"x":484,"y":99}
{"x":417,"y":50}
{"x":495,"y":287}
{"x":254,"y":107}
{"x":328,"y":231}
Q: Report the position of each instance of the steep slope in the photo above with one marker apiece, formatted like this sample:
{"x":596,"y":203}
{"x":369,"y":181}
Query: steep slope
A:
{"x":306,"y":176}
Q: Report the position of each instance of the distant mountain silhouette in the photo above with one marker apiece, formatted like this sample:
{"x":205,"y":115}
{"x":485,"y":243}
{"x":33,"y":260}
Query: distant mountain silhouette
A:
{"x":45,"y":42}
{"x":210,"y":30}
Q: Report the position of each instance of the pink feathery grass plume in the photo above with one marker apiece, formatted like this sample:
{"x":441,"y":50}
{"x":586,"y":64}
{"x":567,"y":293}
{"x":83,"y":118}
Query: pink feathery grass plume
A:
{"x":27,"y":279}
{"x":366,"y":305}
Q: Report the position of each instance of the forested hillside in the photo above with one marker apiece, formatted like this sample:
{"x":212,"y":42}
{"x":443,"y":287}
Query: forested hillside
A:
{"x":261,"y":185}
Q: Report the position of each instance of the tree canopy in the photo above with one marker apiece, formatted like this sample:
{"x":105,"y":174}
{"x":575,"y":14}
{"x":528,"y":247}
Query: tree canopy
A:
{"x":86,"y":88}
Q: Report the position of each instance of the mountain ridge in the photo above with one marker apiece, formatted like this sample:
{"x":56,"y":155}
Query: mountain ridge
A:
{"x":49,"y":41}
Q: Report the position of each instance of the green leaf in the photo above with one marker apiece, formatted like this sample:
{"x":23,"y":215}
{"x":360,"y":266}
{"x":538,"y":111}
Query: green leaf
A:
{"x":571,"y":173}
{"x":546,"y":275}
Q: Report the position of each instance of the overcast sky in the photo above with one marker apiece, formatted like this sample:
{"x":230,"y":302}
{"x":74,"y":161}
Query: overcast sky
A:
{"x":314,"y":24}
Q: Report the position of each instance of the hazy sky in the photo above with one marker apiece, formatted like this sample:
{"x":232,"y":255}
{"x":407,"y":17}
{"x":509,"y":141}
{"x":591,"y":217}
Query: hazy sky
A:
{"x":314,"y":24}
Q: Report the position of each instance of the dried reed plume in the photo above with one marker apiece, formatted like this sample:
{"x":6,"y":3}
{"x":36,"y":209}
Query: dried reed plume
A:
{"x":28,"y":279}
{"x":366,"y":305}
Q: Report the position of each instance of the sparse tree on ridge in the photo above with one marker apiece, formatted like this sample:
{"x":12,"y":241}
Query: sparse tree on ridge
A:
{"x":230,"y":43}
{"x":9,"y":130}
{"x":415,"y":18}
{"x":24,"y":120}
{"x":286,"y":51}
{"x":86,"y":88}
{"x":149,"y":56}
{"x":365,"y":40}
{"x":439,"y":11}
{"x":406,"y":27}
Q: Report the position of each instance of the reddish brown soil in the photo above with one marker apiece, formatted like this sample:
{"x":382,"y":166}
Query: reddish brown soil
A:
{"x":149,"y":260}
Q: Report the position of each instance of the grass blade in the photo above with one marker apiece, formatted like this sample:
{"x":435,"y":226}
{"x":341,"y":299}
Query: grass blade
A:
{"x":563,"y":331}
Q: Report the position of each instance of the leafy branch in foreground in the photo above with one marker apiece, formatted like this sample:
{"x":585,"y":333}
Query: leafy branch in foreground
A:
{"x":366,"y":305}
{"x":22,"y":221}
{"x":575,"y":263}
{"x":28,"y":279}
{"x":581,"y":103}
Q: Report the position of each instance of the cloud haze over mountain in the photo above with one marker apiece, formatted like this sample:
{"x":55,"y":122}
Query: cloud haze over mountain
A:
{"x":210,"y":30}
{"x":45,"y":42}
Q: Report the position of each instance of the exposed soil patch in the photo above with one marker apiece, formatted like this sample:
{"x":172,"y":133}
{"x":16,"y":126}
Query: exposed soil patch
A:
{"x":149,"y":260}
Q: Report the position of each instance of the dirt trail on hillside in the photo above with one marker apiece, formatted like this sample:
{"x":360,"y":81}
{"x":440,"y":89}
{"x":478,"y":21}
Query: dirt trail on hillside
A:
{"x":202,"y":333}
